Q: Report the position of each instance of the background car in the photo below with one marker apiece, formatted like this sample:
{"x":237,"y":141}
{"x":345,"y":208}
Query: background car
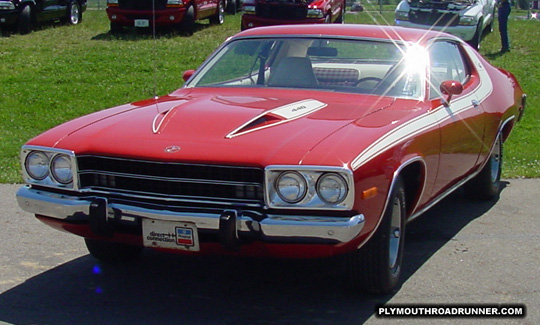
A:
{"x":467,"y":19}
{"x":25,"y":15}
{"x":172,"y":13}
{"x":268,"y":12}
{"x":303,"y":141}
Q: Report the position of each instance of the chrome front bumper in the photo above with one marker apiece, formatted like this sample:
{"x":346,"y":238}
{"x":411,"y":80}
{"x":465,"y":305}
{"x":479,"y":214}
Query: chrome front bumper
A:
{"x":277,"y":228}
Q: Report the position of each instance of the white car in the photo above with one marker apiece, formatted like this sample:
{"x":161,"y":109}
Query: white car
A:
{"x":467,"y":19}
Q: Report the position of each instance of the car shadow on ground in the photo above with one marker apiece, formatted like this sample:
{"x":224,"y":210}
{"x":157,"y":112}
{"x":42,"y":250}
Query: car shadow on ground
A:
{"x":131,"y":34}
{"x":221,"y":290}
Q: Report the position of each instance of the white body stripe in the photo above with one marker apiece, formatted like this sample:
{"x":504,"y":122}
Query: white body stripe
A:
{"x":426,"y":121}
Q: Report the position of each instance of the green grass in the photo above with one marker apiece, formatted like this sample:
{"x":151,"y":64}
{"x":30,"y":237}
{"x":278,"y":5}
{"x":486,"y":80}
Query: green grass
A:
{"x":58,"y":73}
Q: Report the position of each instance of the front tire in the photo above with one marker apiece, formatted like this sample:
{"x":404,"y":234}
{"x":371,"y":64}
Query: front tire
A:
{"x":74,"y":14}
{"x":219,"y":18}
{"x":112,"y":252}
{"x":376,"y":267}
{"x":25,"y":24}
{"x":486,"y":185}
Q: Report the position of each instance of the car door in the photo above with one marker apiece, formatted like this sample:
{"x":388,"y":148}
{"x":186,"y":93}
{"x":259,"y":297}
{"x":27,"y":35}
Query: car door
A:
{"x":50,"y":9}
{"x":460,"y":117}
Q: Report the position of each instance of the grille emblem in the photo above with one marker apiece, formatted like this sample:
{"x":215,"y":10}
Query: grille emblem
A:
{"x":171,"y":149}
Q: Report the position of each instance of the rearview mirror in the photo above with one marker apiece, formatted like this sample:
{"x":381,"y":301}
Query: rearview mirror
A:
{"x":450,"y":88}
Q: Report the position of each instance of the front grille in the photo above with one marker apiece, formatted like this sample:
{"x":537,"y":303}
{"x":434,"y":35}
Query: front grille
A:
{"x":433,"y":18}
{"x":276,"y":10}
{"x":142,"y":4}
{"x":172,"y":181}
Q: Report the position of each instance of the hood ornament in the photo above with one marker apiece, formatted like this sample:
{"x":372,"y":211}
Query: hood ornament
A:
{"x":171,"y":149}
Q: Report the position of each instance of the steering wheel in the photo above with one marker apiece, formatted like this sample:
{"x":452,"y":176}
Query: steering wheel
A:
{"x":377,"y":79}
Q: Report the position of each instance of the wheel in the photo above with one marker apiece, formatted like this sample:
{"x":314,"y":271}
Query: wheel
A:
{"x":112,"y":252}
{"x":366,"y":79}
{"x":219,"y":18}
{"x":486,"y":185}
{"x":188,"y":23}
{"x":74,"y":15}
{"x":232,"y":7}
{"x":26,"y":21}
{"x":341,"y":18}
{"x":376,"y":267}
{"x":116,"y":28}
{"x":475,"y":41}
{"x":328,"y":18}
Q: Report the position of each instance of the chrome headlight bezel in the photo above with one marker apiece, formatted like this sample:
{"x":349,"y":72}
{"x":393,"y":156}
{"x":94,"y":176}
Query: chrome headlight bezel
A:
{"x":313,"y":198}
{"x":56,"y":160}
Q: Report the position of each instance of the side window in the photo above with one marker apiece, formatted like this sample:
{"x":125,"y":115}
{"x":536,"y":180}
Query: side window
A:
{"x":446,"y":63}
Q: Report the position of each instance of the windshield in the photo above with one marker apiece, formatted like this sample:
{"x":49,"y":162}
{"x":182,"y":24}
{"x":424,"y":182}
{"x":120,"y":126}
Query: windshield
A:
{"x":353,"y":66}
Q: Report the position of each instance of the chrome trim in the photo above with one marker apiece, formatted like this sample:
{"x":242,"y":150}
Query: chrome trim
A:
{"x":463,"y":181}
{"x":49,"y":181}
{"x":394,"y":179}
{"x":311,"y":200}
{"x":279,"y":228}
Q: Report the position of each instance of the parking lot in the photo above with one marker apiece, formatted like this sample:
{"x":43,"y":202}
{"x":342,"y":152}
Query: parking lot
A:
{"x":460,"y":252}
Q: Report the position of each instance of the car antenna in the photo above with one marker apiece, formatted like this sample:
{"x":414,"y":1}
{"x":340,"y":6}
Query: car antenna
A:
{"x":154,"y":49}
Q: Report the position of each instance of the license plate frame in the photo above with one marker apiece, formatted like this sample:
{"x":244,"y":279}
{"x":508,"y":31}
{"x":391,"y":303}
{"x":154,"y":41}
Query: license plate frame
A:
{"x":179,"y":235}
{"x":141,"y":23}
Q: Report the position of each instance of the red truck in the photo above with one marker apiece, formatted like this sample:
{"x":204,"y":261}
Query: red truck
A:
{"x":284,"y":12}
{"x":175,"y":13}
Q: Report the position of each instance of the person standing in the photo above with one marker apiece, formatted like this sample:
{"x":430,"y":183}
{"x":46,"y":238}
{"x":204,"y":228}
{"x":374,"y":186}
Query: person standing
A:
{"x":503,"y":13}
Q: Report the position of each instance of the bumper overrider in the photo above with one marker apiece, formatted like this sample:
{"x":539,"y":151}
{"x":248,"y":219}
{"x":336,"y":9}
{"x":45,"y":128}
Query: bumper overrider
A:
{"x":231,"y":225}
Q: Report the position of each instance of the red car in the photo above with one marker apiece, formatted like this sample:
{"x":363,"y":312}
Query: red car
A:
{"x":308,"y":141}
{"x":179,"y":13}
{"x":271,"y":12}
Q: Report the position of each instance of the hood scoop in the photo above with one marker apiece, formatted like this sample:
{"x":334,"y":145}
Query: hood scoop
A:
{"x":278,"y":116}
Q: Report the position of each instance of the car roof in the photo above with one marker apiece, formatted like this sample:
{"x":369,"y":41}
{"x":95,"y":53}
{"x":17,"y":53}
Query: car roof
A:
{"x":383,"y":32}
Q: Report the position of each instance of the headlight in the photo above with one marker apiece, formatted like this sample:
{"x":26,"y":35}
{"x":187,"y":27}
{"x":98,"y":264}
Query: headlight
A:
{"x":7,"y":5}
{"x":249,"y":10}
{"x":291,"y":187}
{"x":315,"y":13}
{"x":50,"y":167}
{"x":332,"y":188}
{"x":61,"y":169}
{"x":37,"y":165}
{"x":175,"y":3}
{"x":309,"y":187}
{"x":467,"y":21}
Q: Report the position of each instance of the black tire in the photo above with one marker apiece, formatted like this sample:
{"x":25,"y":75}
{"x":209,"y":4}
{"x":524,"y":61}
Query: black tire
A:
{"x":26,"y":20}
{"x":341,"y":18}
{"x":116,"y":28}
{"x":74,"y":13}
{"x":375,"y":268}
{"x":477,"y":38}
{"x":486,"y":185}
{"x":112,"y":252}
{"x":219,"y":18}
{"x":188,"y":23}
{"x":232,"y":7}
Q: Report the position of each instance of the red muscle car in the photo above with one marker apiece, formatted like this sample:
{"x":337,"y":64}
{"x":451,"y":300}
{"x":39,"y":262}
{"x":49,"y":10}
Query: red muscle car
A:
{"x":285,"y":12}
{"x":173,"y":13}
{"x":306,"y":141}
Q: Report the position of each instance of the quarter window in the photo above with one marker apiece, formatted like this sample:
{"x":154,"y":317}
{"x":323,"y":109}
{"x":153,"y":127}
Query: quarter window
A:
{"x":446,"y":63}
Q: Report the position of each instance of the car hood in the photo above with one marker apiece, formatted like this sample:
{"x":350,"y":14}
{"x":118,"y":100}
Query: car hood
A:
{"x":197,"y":125}
{"x":442,"y":4}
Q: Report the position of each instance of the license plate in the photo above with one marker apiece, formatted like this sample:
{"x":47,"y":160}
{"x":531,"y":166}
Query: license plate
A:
{"x":170,"y":234}
{"x":142,"y":23}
